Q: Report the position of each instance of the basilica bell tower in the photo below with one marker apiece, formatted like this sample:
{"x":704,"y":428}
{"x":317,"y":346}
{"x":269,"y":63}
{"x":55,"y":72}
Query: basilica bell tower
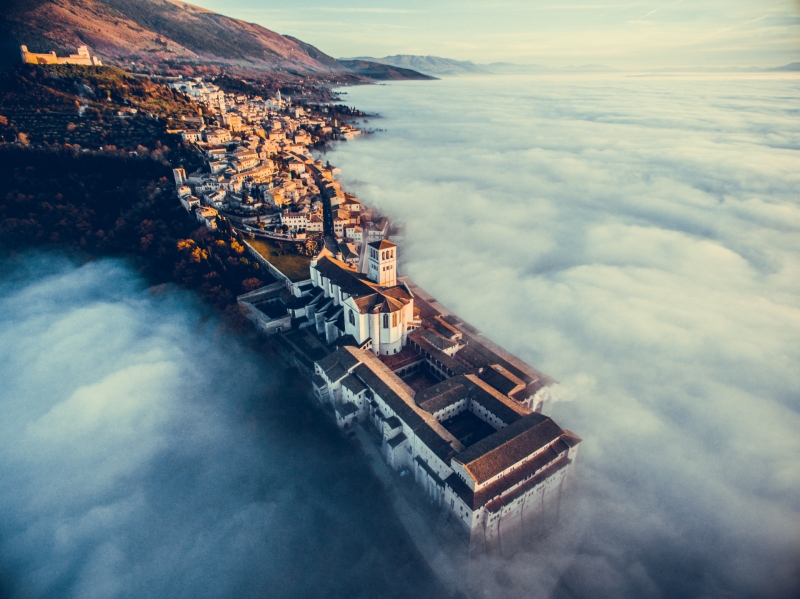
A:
{"x":383,"y":263}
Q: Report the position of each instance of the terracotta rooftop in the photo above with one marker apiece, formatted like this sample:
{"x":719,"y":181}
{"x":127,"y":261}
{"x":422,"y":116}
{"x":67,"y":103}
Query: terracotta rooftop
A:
{"x":398,"y":396}
{"x":532,"y":469}
{"x":436,"y":398}
{"x":497,"y":504}
{"x":509,"y":445}
{"x":341,"y":358}
{"x":502,"y":379}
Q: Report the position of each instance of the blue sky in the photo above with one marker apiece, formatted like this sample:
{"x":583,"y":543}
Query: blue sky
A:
{"x":620,"y":33}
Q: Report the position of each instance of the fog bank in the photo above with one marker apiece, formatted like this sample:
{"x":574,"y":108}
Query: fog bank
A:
{"x":145,"y":454}
{"x":638,"y":239}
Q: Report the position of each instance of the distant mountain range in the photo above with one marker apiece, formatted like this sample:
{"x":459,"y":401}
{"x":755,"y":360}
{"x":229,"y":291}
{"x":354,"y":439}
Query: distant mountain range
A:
{"x":787,"y":68}
{"x":165,"y":32}
{"x":447,"y":67}
{"x":430,"y":65}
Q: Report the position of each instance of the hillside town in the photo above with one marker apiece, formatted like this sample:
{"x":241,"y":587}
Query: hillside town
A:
{"x":392,"y":365}
{"x":259,"y":171}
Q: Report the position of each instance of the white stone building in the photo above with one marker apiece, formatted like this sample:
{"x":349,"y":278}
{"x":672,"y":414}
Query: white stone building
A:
{"x":207,"y":216}
{"x":376,"y":311}
{"x":217,"y":137}
{"x":294,"y":220}
{"x":496,"y":487}
{"x":180,"y":176}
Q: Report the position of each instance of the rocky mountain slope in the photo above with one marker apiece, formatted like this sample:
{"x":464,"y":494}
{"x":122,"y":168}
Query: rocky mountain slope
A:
{"x":377,"y":70}
{"x":155,"y":33}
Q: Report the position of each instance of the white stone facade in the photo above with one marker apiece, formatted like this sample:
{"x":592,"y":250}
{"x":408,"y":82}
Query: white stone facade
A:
{"x":376,"y":311}
{"x":496,"y":491}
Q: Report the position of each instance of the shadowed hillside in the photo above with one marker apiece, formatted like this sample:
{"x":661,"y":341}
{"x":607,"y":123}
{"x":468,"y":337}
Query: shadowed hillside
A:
{"x":91,"y":107}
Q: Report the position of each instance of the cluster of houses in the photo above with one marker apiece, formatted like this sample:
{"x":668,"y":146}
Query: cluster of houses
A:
{"x":258,"y":164}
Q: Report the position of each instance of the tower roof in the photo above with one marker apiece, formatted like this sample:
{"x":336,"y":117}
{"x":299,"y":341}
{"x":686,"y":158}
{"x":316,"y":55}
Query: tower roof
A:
{"x":382,"y":245}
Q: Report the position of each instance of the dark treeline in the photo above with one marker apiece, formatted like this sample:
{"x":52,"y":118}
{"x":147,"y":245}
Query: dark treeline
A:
{"x":94,"y":107}
{"x":105,"y":204}
{"x":342,"y":110}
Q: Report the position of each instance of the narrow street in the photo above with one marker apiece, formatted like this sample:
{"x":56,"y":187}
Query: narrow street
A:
{"x":327,"y":212}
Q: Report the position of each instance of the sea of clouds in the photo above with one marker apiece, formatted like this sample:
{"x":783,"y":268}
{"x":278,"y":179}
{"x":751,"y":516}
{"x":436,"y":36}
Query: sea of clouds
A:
{"x":145,"y":453}
{"x":638,"y":239}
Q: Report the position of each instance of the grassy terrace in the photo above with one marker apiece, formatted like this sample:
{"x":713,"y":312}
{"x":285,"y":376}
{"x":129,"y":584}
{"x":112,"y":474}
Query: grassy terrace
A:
{"x":294,"y":266}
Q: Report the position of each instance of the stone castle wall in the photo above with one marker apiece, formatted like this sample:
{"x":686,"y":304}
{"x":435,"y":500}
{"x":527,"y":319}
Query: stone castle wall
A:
{"x":83,"y":57}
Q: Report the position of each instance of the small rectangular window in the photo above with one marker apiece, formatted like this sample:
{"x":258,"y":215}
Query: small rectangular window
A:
{"x":385,"y":321}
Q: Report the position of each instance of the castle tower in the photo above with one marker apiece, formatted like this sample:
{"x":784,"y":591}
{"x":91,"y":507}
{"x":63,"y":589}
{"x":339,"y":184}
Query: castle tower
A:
{"x":383,"y":263}
{"x":180,"y":176}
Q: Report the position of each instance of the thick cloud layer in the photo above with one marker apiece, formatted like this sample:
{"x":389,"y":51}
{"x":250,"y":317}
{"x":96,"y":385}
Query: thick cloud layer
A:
{"x":142,"y":454}
{"x":639,"y":240}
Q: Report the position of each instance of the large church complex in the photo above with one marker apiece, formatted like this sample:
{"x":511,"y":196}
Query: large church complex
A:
{"x":447,"y":405}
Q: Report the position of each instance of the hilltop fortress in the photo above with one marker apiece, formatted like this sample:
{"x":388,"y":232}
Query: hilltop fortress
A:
{"x":83,"y":57}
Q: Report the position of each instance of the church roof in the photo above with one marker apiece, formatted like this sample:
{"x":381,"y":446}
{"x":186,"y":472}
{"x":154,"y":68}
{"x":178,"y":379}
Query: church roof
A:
{"x":348,"y":250}
{"x":379,"y":303}
{"x":367,"y":295}
{"x":399,"y":292}
{"x":389,"y":305}
{"x":344,"y":276}
{"x":367,"y":303}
